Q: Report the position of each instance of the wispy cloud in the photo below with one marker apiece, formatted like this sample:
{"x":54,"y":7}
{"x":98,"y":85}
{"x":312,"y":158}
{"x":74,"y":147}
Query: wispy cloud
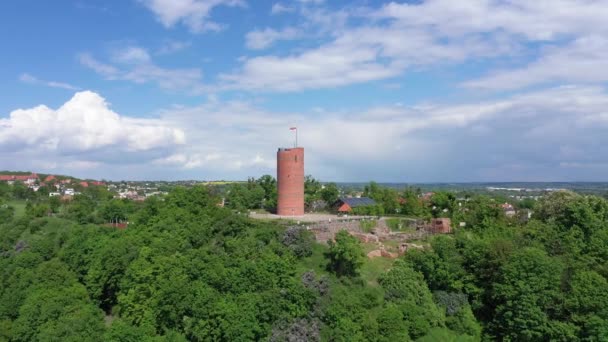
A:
{"x":359,"y":45}
{"x":195,"y":14}
{"x":132,"y":55}
{"x":105,"y":70}
{"x":173,"y":46}
{"x":261,"y":39}
{"x":29,"y":79}
{"x":279,"y":8}
{"x":355,"y":56}
{"x":134,"y":64}
{"x":582,"y":61}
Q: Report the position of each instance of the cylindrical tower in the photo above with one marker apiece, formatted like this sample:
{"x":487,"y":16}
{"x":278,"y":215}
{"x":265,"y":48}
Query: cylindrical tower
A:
{"x":290,"y":181}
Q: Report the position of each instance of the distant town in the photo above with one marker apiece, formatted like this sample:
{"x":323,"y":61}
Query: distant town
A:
{"x":67,"y":186}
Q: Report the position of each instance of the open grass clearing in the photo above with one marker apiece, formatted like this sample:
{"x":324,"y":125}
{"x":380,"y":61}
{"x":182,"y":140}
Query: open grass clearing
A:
{"x":19,"y":207}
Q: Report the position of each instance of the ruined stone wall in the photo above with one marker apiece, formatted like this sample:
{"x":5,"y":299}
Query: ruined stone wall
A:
{"x":396,"y":236}
{"x":326,"y":230}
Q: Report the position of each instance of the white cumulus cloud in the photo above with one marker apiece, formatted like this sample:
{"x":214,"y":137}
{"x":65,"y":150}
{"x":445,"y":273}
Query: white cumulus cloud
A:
{"x":558,"y":132}
{"x":84,"y":123}
{"x":521,"y":137}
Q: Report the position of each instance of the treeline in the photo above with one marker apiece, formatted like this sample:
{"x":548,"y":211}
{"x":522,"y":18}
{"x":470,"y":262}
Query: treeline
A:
{"x":460,"y":206}
{"x":186,"y":269}
{"x":261,"y":193}
{"x":542,"y":281}
{"x":94,"y":204}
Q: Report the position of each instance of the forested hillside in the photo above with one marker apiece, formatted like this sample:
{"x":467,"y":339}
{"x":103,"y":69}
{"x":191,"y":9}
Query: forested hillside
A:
{"x":188,"y":270}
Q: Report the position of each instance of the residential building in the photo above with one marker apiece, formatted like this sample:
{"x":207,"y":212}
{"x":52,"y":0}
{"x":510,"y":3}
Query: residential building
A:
{"x":347,"y":204}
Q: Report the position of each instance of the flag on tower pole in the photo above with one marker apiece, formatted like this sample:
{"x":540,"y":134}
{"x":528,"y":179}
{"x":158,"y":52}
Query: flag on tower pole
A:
{"x":295,"y":129}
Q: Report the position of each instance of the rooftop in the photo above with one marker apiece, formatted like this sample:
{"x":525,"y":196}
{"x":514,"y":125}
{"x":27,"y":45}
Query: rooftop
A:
{"x":354,"y":202}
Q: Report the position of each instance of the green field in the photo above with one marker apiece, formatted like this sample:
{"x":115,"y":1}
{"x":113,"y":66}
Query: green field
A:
{"x":19,"y":207}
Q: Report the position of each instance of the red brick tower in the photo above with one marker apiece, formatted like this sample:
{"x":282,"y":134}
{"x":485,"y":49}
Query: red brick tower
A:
{"x":290,"y":181}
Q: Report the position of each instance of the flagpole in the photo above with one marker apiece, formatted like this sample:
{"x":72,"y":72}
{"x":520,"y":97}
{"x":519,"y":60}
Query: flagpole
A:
{"x":295,"y":129}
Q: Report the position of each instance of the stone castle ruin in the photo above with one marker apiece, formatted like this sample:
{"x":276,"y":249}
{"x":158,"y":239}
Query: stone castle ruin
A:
{"x":373,"y":230}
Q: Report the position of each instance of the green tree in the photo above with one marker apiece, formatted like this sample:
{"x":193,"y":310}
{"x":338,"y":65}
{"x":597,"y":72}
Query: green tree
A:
{"x":269,"y":184}
{"x":346,"y":316}
{"x":299,"y":240}
{"x":115,"y":210}
{"x":236,"y":197}
{"x":387,"y":198}
{"x":5,"y":191}
{"x":443,"y":203}
{"x":242,"y":197}
{"x":442,"y":266}
{"x":57,"y":307}
{"x":81,"y":209}
{"x":407,"y":289}
{"x":459,"y":317}
{"x":345,"y":255}
{"x":412,"y":205}
{"x":120,"y":331}
{"x":37,"y":210}
{"x":445,"y":335}
{"x":391,"y":324}
{"x":526,"y":203}
{"x":312,"y":190}
{"x":109,"y":260}
{"x":7,"y":212}
{"x":527,"y":298}
{"x":554,"y":206}
{"x":330,"y":193}
{"x":58,"y":313}
{"x":480,"y":214}
{"x":588,"y":304}
{"x":22,"y":192}
{"x":54,"y":204}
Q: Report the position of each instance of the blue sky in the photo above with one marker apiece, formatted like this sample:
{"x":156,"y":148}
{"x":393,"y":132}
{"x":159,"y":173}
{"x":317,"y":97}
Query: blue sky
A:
{"x":418,"y":91}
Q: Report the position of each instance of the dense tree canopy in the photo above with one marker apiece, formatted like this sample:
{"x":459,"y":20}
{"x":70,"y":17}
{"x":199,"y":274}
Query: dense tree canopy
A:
{"x":186,"y":269}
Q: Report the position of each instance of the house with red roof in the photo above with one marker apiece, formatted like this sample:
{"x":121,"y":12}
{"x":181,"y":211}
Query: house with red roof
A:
{"x":27,"y":179}
{"x":508,"y":209}
{"x":427,"y":196}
